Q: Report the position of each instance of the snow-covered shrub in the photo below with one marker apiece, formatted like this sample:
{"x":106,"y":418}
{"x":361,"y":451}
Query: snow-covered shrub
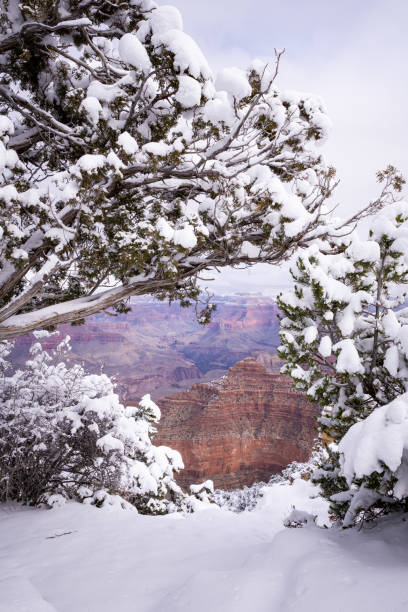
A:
{"x":203,"y":492}
{"x":298,"y":518}
{"x":239,"y":500}
{"x":247,"y":498}
{"x":201,"y":497}
{"x":65,"y":435}
{"x":345,"y":342}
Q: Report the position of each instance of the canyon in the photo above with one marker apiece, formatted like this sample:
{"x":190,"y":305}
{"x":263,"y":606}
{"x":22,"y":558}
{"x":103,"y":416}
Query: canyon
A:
{"x":160,"y":349}
{"x":240,"y":429}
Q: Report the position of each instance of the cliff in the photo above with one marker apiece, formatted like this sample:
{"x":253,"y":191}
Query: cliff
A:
{"x":240,"y":429}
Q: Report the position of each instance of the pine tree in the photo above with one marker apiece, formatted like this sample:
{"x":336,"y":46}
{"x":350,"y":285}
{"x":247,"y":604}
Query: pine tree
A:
{"x":343,"y":340}
{"x":127,"y":169}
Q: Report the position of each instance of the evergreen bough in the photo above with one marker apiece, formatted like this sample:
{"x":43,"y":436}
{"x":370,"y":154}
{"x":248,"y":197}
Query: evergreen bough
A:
{"x":344,"y":335}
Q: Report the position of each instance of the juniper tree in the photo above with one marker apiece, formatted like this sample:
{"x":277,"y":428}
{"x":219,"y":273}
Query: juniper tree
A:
{"x":127,"y":169}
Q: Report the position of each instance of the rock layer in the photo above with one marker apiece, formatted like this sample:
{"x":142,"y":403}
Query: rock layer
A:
{"x":240,"y":429}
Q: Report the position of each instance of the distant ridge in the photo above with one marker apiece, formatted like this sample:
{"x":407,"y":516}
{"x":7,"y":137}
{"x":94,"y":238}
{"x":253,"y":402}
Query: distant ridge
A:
{"x":161,"y":349}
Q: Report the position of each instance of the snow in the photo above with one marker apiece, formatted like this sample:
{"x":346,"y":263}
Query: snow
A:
{"x":19,"y":254}
{"x":161,"y":149}
{"x":265,"y":71}
{"x":82,"y":558}
{"x":403,"y":338}
{"x":6,"y":126}
{"x":109,"y":443}
{"x":249,"y":250}
{"x":43,"y":333}
{"x":8,"y":157}
{"x":391,"y":324}
{"x":147,"y":481}
{"x":188,"y":57}
{"x":189,"y":91}
{"x":314,"y":108}
{"x":234,"y":81}
{"x":165,"y":18}
{"x":114,"y":161}
{"x":310,"y":334}
{"x":325,"y":346}
{"x":391,"y":360}
{"x":92,"y":107}
{"x":70,"y":23}
{"x":8,"y":193}
{"x":89,"y":162}
{"x":348,"y":359}
{"x":164,"y":228}
{"x":346,"y":320}
{"x":147,"y":404}
{"x":14,"y":230}
{"x":298,"y":373}
{"x":128,"y":143}
{"x":208,"y":484}
{"x":102,"y":92}
{"x":219,"y":109}
{"x":133,"y":52}
{"x":397,"y":412}
{"x":385,"y":222}
{"x":366,"y":250}
{"x":185,"y":237}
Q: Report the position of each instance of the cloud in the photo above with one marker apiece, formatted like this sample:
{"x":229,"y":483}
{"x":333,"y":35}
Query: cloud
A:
{"x":263,"y":278}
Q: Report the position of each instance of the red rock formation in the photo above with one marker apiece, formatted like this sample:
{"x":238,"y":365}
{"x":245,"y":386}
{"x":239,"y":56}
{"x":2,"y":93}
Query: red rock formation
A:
{"x":240,"y":429}
{"x":271,"y":361}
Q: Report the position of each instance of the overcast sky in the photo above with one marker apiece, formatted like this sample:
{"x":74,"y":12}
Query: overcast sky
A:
{"x":354,"y":54}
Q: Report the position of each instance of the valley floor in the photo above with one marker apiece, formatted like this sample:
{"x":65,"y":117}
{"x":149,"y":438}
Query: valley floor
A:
{"x":82,"y":559}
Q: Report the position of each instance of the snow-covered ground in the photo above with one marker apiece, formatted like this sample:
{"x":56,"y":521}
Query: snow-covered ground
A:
{"x":83,"y":559}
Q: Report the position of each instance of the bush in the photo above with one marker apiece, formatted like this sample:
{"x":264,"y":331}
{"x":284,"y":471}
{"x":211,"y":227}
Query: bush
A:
{"x":65,"y":435}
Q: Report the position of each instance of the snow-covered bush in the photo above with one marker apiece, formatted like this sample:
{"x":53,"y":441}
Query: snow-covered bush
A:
{"x":204,"y":491}
{"x":239,"y":500}
{"x":65,"y":435}
{"x":248,"y":497}
{"x":345,"y":342}
{"x":126,"y":168}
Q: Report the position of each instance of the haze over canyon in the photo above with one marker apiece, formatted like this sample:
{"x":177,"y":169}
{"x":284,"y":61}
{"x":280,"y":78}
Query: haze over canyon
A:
{"x":234,"y":420}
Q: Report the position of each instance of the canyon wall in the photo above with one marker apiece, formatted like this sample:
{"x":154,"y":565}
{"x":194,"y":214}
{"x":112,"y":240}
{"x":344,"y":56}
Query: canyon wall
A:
{"x":236,"y":431}
{"x":240,"y":429}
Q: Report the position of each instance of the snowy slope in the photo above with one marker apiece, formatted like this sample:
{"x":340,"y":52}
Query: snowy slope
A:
{"x":81,"y":559}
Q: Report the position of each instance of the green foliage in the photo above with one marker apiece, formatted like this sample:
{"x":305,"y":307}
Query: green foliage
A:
{"x":340,"y":341}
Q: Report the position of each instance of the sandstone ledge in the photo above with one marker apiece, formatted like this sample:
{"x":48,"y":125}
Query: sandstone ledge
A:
{"x":239,"y":430}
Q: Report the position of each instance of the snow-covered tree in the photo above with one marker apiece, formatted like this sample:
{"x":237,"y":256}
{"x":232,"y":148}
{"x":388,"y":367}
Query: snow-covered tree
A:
{"x":126,"y":168}
{"x":345,"y":342}
{"x":65,"y":435}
